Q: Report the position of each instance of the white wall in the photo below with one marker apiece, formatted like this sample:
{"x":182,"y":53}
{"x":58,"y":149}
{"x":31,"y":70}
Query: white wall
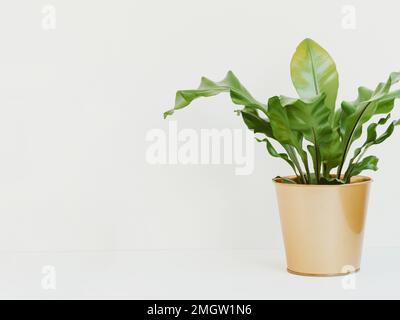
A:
{"x":76,"y":103}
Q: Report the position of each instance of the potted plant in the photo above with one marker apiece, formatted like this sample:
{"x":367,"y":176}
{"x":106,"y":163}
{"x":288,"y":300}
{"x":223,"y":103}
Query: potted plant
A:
{"x":323,"y":204}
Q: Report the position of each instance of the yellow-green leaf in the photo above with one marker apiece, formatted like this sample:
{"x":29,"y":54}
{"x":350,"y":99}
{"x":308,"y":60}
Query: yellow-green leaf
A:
{"x":313,"y":72}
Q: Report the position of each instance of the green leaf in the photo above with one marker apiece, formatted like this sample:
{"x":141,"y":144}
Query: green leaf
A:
{"x":386,"y":134}
{"x":316,"y":158}
{"x":371,"y":136}
{"x":371,"y":131}
{"x":383,"y":88}
{"x":331,"y":181}
{"x":284,"y":133}
{"x":349,"y":109}
{"x":358,"y":112}
{"x":372,"y":139}
{"x":272,"y":151}
{"x":260,"y":125}
{"x":310,"y":117}
{"x":280,"y":123}
{"x":255,"y":123}
{"x":313,"y":72}
{"x":368,"y":104}
{"x":208,"y":88}
{"x":284,"y":180}
{"x":368,"y":163}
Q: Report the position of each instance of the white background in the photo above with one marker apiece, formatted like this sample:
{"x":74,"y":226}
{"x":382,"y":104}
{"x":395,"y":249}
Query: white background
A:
{"x":76,"y":104}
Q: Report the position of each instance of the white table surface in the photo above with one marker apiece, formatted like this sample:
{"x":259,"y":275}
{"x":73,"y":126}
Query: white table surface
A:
{"x":190,"y":274}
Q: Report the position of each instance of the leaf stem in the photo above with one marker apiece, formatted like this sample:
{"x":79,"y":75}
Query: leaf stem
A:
{"x":347,"y":175}
{"x":349,"y":141}
{"x":317,"y":157}
{"x":325,"y":171}
{"x":305,"y":161}
{"x":292,"y":154}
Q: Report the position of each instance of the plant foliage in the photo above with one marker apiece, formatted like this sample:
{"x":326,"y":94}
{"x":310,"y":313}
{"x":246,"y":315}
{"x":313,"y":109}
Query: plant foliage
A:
{"x":315,"y":136}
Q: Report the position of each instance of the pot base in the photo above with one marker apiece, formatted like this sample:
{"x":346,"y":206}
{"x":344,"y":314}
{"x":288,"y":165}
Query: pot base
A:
{"x":321,"y":275}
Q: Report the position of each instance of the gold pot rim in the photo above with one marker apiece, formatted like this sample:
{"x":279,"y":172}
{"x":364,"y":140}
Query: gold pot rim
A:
{"x":356,"y":180}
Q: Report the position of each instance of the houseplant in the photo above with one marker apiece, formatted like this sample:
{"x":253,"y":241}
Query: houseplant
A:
{"x":323,"y":204}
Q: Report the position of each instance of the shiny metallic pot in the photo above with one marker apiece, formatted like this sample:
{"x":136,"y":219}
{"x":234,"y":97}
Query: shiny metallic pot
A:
{"x":323,"y":226}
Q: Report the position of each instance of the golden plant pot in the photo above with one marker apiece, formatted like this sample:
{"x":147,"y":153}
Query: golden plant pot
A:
{"x":323,"y":226}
